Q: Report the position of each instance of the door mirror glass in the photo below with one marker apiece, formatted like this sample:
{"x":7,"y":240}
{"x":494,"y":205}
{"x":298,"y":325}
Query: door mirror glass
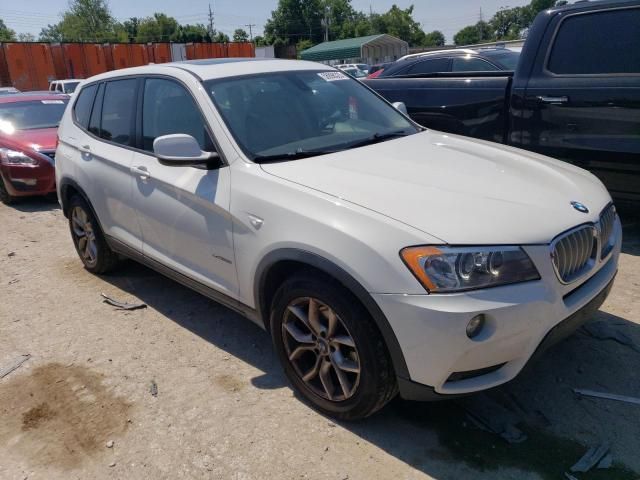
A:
{"x":401,"y":107}
{"x":181,"y":150}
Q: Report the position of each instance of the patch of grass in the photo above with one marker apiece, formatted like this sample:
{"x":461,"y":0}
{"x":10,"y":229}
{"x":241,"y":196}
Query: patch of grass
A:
{"x":544,"y":453}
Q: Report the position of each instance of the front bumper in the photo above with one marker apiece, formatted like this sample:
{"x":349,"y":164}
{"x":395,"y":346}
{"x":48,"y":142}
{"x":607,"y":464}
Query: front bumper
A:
{"x":26,"y":180}
{"x":522,"y":320}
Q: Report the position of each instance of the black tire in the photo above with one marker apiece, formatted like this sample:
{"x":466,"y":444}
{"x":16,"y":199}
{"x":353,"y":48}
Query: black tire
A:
{"x":102,"y":259}
{"x":5,"y":197}
{"x":375,"y":385}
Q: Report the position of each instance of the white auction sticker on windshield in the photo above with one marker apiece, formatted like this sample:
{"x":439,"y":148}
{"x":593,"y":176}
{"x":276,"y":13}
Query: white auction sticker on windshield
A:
{"x":333,"y":76}
{"x":52,"y":102}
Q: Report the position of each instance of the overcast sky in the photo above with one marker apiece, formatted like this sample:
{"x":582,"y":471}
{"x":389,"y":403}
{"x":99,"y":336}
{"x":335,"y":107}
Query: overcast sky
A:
{"x":449,"y":16}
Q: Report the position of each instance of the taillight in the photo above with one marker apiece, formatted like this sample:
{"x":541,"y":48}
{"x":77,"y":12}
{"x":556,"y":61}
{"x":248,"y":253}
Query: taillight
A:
{"x":376,"y":74}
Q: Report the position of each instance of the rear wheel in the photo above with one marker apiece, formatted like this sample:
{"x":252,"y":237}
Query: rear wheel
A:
{"x":5,"y":197}
{"x":90,"y":243}
{"x":331,"y":351}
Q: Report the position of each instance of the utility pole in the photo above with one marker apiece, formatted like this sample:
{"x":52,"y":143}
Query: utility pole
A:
{"x":211,"y":29}
{"x":481,"y":24}
{"x":326,"y":22}
{"x":250,"y":25}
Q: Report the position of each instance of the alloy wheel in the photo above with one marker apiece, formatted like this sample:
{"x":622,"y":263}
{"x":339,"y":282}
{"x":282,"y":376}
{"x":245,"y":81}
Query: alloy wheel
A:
{"x":321,"y":349}
{"x":84,"y":236}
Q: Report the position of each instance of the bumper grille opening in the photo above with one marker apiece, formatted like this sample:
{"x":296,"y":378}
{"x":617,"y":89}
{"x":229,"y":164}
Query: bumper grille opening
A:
{"x":458,"y":376}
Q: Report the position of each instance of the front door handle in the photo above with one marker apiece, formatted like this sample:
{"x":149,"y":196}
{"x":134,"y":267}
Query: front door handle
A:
{"x":552,"y":100}
{"x":85,"y":149}
{"x":141,"y":172}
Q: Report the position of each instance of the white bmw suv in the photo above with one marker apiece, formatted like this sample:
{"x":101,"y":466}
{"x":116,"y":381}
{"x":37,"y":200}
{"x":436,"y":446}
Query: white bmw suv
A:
{"x":382,"y":257}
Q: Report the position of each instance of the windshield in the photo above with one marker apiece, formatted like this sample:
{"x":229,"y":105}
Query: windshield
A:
{"x":70,"y":87}
{"x":31,"y":115}
{"x":303,"y":113}
{"x":508,"y":59}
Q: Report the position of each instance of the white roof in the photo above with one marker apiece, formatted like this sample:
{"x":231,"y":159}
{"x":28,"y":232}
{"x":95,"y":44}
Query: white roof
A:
{"x":209,"y":69}
{"x":67,"y":80}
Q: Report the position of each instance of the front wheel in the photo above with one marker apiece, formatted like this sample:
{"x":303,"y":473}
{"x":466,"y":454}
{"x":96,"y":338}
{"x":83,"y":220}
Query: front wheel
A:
{"x":331,"y":350}
{"x":5,"y":196}
{"x":90,"y":243}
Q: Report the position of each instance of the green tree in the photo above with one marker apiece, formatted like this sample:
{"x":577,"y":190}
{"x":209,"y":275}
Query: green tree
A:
{"x":400,"y":23}
{"x":506,"y":24}
{"x":6,"y":34}
{"x":259,"y":41}
{"x":51,"y":33}
{"x":303,"y":45}
{"x":191,"y":33}
{"x":220,"y":37}
{"x":434,"y":39}
{"x":472,"y":34}
{"x":240,"y":35}
{"x":295,"y":20}
{"x":87,"y":20}
{"x":26,"y":37}
{"x":130,"y":28}
{"x":158,"y":28}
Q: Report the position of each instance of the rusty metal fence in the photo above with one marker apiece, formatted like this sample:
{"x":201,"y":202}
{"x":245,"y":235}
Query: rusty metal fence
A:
{"x":31,"y":66}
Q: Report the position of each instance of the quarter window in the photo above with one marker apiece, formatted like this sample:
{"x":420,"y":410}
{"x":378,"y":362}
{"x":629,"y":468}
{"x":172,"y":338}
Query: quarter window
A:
{"x":94,"y":122}
{"x":82,"y":108}
{"x":611,"y":45}
{"x":168,"y":108}
{"x":119,"y":111}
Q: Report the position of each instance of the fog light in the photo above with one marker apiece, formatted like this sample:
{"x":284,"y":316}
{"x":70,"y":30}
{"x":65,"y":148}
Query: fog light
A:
{"x":474,"y":327}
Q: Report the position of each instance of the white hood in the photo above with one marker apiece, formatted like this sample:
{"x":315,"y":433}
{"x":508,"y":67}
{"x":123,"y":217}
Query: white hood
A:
{"x":460,"y":190}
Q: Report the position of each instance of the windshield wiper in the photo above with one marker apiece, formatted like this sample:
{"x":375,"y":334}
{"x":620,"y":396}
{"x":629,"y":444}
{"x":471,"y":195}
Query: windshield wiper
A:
{"x":280,"y":157}
{"x":379,"y":137}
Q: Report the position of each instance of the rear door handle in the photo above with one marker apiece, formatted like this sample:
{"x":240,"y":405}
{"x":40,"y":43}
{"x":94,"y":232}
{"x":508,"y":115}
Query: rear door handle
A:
{"x":141,"y":172}
{"x":552,"y":100}
{"x":85,"y":149}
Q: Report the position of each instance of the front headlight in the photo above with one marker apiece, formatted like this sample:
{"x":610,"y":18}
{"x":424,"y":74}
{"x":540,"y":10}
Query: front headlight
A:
{"x":455,"y":269}
{"x":14,"y":157}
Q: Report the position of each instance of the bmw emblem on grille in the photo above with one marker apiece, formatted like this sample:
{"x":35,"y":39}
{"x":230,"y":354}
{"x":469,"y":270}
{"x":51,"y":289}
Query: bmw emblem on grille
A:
{"x":580,"y":207}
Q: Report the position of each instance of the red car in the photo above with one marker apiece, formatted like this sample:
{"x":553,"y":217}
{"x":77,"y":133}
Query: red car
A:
{"x":28,"y":132}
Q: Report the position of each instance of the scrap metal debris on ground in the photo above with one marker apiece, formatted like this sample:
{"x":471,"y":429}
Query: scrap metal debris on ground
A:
{"x":590,"y":459}
{"x":489,"y":415}
{"x":4,"y":371}
{"x":122,"y":305}
{"x":608,"y":396}
{"x":154,"y":388}
{"x":603,"y":330}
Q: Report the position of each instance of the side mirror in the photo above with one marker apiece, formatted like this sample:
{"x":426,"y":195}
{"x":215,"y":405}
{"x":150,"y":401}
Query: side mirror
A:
{"x":181,"y":150}
{"x":401,"y":107}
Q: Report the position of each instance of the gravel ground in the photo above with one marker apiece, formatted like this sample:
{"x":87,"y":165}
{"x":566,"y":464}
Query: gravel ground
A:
{"x":82,"y":406}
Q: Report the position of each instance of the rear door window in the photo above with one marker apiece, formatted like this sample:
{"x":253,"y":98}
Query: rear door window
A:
{"x":611,"y":46}
{"x":472,"y":64}
{"x":82,"y":107}
{"x":119,"y":111}
{"x":436,"y":65}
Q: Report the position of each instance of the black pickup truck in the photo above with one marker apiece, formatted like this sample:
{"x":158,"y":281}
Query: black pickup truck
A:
{"x":575,"y":94}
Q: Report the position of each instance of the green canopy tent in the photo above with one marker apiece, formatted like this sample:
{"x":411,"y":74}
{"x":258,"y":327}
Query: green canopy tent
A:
{"x":371,"y":50}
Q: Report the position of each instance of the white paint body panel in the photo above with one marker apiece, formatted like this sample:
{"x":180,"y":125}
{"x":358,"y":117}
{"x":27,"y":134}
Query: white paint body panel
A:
{"x":357,"y":209}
